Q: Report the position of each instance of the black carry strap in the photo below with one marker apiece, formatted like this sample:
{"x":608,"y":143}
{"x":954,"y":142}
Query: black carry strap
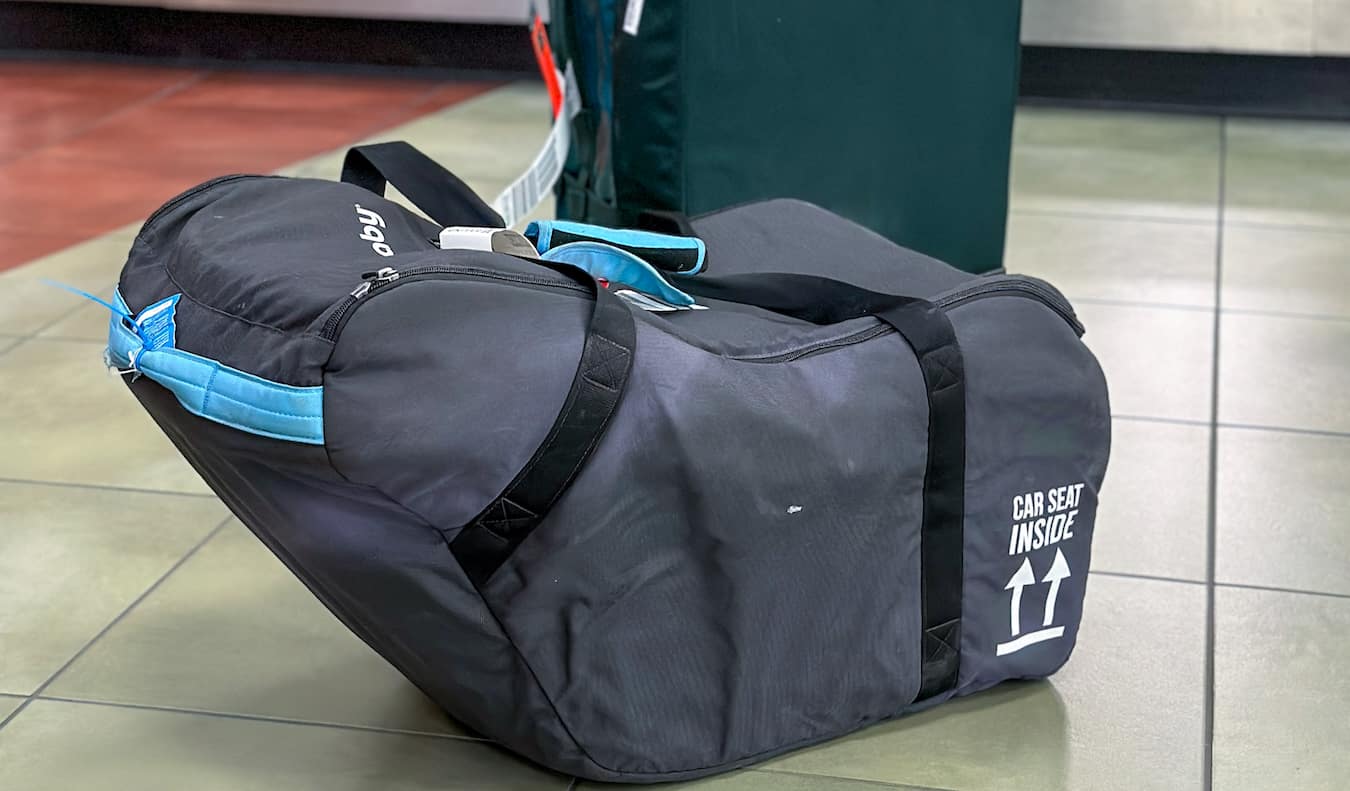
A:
{"x":430,"y":187}
{"x":606,"y":360}
{"x":929,"y":333}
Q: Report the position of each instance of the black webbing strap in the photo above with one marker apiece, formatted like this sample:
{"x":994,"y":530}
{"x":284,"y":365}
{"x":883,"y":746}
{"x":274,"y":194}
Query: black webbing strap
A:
{"x":606,"y":359}
{"x":430,"y":187}
{"x":929,"y":333}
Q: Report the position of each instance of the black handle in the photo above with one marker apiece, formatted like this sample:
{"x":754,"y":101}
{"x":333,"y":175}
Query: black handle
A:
{"x":430,"y":187}
{"x":606,"y":360}
{"x":928,"y":331}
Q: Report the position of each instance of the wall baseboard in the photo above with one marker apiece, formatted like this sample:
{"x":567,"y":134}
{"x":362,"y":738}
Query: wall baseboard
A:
{"x":171,"y":36}
{"x":1195,"y":82}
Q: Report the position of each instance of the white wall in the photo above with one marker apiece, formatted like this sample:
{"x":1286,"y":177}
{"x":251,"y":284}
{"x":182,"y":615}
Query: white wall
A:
{"x":1288,"y":27}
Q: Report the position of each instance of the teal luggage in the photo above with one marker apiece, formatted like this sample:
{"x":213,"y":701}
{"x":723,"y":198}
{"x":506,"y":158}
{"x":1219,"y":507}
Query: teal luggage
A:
{"x":897,"y":115}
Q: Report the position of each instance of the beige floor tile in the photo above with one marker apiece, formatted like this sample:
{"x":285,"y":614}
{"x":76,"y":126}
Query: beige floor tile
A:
{"x":86,"y":323}
{"x":1153,"y":515}
{"x":1281,"y":682}
{"x":1117,"y":259}
{"x":1283,"y":509}
{"x":1157,"y":360}
{"x":1124,"y":713}
{"x":757,"y":781}
{"x":1284,"y":372}
{"x":1288,"y":172}
{"x":27,"y":303}
{"x":72,"y":559}
{"x":8,"y":704}
{"x":234,"y":631}
{"x":67,"y":418}
{"x":1284,"y":269}
{"x":1135,"y":164}
{"x":60,"y":746}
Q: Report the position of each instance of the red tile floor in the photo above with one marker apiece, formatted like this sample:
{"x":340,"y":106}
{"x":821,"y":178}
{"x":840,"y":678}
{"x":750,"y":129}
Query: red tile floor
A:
{"x":86,"y":148}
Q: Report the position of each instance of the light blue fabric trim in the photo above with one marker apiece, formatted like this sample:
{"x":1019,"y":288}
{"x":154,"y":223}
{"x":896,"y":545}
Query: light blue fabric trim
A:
{"x":217,"y":392}
{"x":618,"y":266}
{"x":541,"y":233}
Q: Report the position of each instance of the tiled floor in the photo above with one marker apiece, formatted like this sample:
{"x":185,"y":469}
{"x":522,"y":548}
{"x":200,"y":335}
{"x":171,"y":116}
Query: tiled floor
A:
{"x":147,"y":641}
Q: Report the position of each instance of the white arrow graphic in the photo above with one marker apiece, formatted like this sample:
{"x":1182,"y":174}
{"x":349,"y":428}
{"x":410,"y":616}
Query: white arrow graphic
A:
{"x":1059,"y":571}
{"x":1022,"y":578}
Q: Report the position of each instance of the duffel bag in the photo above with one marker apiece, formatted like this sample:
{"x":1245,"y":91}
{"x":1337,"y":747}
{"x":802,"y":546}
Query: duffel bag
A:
{"x":632,"y":524}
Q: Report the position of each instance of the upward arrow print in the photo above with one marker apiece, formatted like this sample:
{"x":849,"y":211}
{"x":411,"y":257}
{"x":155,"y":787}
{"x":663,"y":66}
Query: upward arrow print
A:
{"x":1059,"y":571}
{"x":1022,"y":578}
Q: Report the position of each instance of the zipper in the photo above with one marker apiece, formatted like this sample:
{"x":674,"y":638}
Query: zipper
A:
{"x":1016,"y":286}
{"x":203,"y":187}
{"x":1011,"y":286}
{"x":371,"y":282}
{"x":822,"y":346}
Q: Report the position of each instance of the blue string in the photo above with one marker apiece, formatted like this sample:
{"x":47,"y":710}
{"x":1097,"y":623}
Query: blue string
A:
{"x":88,"y":296}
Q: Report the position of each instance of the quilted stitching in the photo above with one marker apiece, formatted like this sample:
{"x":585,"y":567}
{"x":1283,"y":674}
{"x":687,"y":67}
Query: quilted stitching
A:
{"x":608,"y":364}
{"x":506,"y":517}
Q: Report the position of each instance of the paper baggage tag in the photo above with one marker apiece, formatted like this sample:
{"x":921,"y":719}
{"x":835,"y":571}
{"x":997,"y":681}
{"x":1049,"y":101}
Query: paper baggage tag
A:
{"x":529,"y":189}
{"x":156,"y":326}
{"x":650,"y":303}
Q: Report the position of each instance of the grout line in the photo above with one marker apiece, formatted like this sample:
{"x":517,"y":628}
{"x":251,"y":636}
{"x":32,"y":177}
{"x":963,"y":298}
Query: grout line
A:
{"x":1279,"y":589}
{"x":144,"y":101}
{"x":118,"y":619}
{"x":1133,"y":303}
{"x":1150,"y":577}
{"x":1241,"y":585}
{"x":1103,"y":215}
{"x":1179,"y":421}
{"x":108,"y":488}
{"x":1211,"y":522}
{"x":1313,"y":432}
{"x":1288,"y":226}
{"x":229,"y":715}
{"x":67,"y":339}
{"x":858,"y":780}
{"x":57,"y":320}
{"x":1282,"y":314}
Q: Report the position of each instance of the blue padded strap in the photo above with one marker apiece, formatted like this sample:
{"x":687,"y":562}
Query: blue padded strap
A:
{"x":619,"y":267}
{"x":217,"y":392}
{"x":683,"y":255}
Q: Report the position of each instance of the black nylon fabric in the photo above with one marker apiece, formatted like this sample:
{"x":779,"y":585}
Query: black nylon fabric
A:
{"x":486,"y":542}
{"x":928,"y":332}
{"x":748,"y":559}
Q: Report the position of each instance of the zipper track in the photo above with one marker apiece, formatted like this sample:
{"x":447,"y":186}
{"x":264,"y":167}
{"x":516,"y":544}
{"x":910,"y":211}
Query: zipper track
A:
{"x":1012,"y":287}
{"x":1019,"y":287}
{"x":333,"y":325}
{"x":822,"y":346}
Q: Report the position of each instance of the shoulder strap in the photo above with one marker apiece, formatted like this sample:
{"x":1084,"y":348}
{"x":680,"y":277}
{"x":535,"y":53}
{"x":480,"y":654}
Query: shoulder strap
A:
{"x":430,"y":187}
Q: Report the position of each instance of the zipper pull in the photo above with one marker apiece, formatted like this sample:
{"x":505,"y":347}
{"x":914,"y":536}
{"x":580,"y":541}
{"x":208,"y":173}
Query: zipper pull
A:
{"x":371,"y":280}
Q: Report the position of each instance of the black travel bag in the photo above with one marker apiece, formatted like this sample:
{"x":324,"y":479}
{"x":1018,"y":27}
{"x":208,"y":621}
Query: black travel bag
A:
{"x":632,"y":524}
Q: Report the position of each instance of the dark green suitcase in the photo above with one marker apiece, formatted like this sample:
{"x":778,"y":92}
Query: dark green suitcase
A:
{"x":894,"y":113}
